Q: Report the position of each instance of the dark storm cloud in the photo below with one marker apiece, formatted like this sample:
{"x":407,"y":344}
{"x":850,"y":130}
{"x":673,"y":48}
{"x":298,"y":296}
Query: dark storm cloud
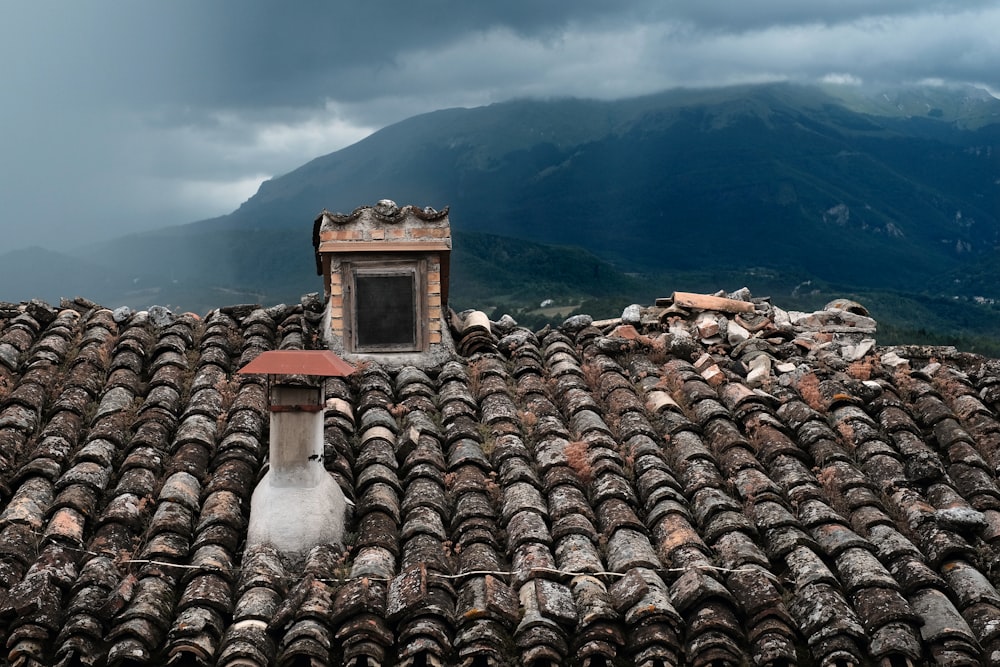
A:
{"x":117,"y":116}
{"x":230,"y":53}
{"x":743,"y":16}
{"x":238,"y":54}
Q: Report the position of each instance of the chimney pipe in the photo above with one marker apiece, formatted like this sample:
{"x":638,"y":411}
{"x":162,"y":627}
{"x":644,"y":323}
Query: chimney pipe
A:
{"x":296,"y":435}
{"x":297,"y":504}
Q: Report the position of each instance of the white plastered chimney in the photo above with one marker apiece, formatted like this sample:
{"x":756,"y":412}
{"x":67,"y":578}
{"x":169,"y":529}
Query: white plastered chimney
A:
{"x":297,"y":505}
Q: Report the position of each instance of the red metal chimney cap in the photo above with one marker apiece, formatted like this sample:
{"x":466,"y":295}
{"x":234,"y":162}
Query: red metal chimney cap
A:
{"x":298,"y":362}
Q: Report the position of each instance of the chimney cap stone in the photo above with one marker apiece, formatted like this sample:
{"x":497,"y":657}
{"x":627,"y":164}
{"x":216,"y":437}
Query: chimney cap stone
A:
{"x":323,"y":363}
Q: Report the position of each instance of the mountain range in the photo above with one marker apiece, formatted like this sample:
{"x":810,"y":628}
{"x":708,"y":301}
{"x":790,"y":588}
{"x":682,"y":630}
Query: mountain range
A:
{"x":774,"y":186}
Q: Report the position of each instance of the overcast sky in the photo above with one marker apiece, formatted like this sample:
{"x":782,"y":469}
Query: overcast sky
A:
{"x":122,"y":116}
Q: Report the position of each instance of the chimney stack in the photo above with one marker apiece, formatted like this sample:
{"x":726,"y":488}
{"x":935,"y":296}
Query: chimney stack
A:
{"x":297,"y":504}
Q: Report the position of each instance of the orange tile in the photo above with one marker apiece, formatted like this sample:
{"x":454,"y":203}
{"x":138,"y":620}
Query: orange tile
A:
{"x":66,"y":523}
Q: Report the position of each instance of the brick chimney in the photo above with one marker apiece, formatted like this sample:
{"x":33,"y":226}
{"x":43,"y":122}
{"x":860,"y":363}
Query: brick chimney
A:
{"x":385,"y":277}
{"x":297,"y":504}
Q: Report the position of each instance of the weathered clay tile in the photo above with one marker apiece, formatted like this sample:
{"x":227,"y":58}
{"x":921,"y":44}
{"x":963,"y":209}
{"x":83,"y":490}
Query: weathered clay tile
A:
{"x":652,"y":622}
{"x":656,"y":483}
{"x":725,"y":523}
{"x":828,"y":622}
{"x":976,"y":484}
{"x":19,"y":417}
{"x":372,"y":473}
{"x":835,"y":538}
{"x":423,"y":520}
{"x":247,"y":643}
{"x":127,"y":509}
{"x":537,"y":636}
{"x":940,"y":545}
{"x":29,"y":394}
{"x":793,"y":476}
{"x":586,"y":421}
{"x":306,"y":640}
{"x":969,"y":584}
{"x":676,"y":541}
{"x":198,"y":429}
{"x":713,"y":635}
{"x":378,"y":419}
{"x":195,"y":637}
{"x":169,"y":546}
{"x":614,"y":514}
{"x":191,"y":457}
{"x":223,"y":508}
{"x":66,"y":525}
{"x":171,"y":517}
{"x":426,"y":492}
{"x":34,"y":601}
{"x":941,"y":623}
{"x":259,"y":603}
{"x":697,"y":473}
{"x":565,"y":474}
{"x":380,"y":497}
{"x":233,"y":474}
{"x":39,"y":467}
{"x":464,"y":451}
{"x":982,"y":619}
{"x":930,"y":408}
{"x":551,"y":452}
{"x":138,"y":630}
{"x":29,"y":503}
{"x":754,"y":483}
{"x":207,"y":591}
{"x":525,"y":527}
{"x":520,"y":495}
{"x":470,"y":506}
{"x":597,"y":630}
{"x":610,"y":484}
{"x":64,"y":424}
{"x":483,"y":639}
{"x":80,"y":497}
{"x":91,"y":588}
{"x":139,"y":480}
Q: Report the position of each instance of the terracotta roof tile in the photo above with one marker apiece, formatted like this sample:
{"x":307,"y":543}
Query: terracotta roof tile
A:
{"x":572,"y":493}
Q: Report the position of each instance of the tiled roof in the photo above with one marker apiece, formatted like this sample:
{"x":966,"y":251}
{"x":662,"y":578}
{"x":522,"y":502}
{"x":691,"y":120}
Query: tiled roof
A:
{"x":742,"y":487}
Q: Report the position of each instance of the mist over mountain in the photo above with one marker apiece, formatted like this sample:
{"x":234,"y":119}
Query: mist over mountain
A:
{"x":875,"y":189}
